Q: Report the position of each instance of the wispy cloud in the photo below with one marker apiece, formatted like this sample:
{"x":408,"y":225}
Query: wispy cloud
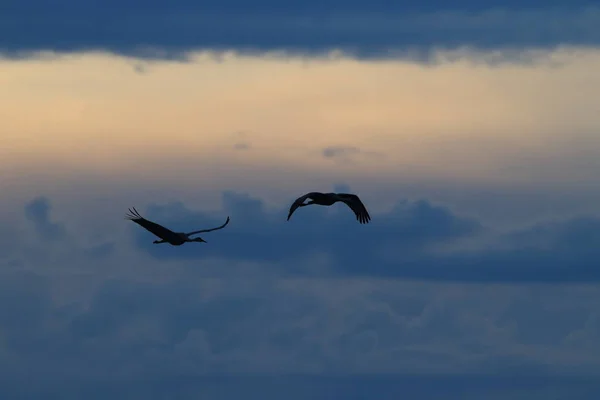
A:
{"x":241,"y":146}
{"x":348,"y":154}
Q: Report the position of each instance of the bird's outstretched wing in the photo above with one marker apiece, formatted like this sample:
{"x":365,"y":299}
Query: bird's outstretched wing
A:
{"x":153,"y":227}
{"x":210,"y":230}
{"x":356,"y":205}
{"x":298,"y":202}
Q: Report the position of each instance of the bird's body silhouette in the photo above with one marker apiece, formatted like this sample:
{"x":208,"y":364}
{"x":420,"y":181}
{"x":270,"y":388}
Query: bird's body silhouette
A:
{"x":328,"y":199}
{"x":167,"y":235}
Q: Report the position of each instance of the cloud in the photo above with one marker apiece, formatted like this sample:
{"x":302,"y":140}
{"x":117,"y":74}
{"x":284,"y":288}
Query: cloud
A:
{"x":339,"y":151}
{"x":48,"y":232}
{"x":38,"y":212}
{"x":237,"y":329}
{"x":295,"y":387}
{"x":242,"y":140}
{"x":364,"y":28}
{"x":256,"y":233}
{"x":140,"y":68}
{"x":347,"y":154}
{"x":414,"y":240}
{"x":241,"y":146}
{"x":238,"y":308}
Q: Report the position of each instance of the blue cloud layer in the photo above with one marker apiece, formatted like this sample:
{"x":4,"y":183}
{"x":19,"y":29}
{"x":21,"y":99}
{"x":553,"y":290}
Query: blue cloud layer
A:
{"x":156,"y":321}
{"x":164,"y":339}
{"x":302,"y":387}
{"x":367,"y":28}
{"x":401,"y":243}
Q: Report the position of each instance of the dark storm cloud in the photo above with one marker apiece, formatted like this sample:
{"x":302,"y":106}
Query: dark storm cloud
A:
{"x":367,"y":28}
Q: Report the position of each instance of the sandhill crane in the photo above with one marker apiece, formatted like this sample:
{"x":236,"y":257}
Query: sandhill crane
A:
{"x":327,"y":199}
{"x":166,"y":235}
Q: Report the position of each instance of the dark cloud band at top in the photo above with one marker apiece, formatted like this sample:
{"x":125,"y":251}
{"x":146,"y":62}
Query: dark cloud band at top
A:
{"x":366,"y":29}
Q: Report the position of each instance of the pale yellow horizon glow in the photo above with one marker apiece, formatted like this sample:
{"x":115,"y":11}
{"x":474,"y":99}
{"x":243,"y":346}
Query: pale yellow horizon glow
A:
{"x":93,"y":113}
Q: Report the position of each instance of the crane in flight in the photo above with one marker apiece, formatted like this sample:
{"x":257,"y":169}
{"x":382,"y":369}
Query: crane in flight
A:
{"x":328,"y":199}
{"x":167,"y":235}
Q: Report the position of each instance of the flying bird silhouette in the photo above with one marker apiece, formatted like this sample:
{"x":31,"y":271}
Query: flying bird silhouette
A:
{"x":327,"y":199}
{"x":167,"y":235}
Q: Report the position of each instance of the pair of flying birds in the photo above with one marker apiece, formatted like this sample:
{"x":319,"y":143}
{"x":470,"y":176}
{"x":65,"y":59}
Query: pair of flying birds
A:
{"x":322,"y":199}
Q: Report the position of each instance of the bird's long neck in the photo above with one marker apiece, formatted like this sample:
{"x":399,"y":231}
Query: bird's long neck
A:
{"x":184,"y":236}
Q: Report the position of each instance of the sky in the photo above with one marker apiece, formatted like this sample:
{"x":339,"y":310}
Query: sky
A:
{"x":469,"y":130}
